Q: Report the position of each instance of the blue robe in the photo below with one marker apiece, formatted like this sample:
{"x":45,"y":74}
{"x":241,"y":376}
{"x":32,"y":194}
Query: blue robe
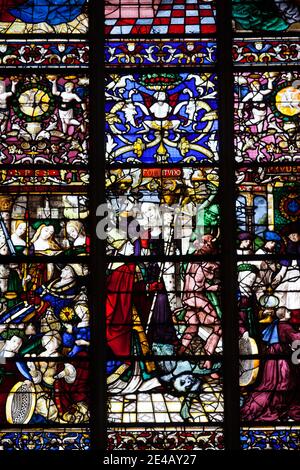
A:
{"x":70,"y":338}
{"x":59,"y":299}
{"x":53,"y":12}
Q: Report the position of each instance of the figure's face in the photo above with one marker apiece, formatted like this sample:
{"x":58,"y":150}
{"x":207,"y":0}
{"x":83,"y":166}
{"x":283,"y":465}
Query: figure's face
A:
{"x":270,"y":245}
{"x":287,"y":315}
{"x":167,"y":218}
{"x":47,"y":232}
{"x":255,"y":86}
{"x":245,"y":244}
{"x":212,"y":215}
{"x":294,"y":237}
{"x":161,"y":97}
{"x":69,"y":87}
{"x":206,"y":244}
{"x":149,"y":211}
{"x":129,"y":249}
{"x":188,"y":172}
{"x":72,"y":232}
{"x":67,"y":273}
{"x":21,"y":229}
{"x":184,"y":383}
{"x":246,"y":279}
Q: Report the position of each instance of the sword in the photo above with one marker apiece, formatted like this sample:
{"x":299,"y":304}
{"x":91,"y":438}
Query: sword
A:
{"x":7,"y":236}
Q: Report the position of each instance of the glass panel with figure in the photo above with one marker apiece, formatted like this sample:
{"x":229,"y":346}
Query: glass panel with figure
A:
{"x":41,"y":393}
{"x":43,"y":222}
{"x":268,"y":198}
{"x":164,"y":392}
{"x":267,"y":107}
{"x":161,"y":117}
{"x":43,"y":119}
{"x":164,"y":308}
{"x":44,"y":310}
{"x":269,"y":294}
{"x":162,"y":211}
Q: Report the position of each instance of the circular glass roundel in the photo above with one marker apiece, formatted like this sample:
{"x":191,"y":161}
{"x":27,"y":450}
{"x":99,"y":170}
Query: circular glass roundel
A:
{"x":34,"y":102}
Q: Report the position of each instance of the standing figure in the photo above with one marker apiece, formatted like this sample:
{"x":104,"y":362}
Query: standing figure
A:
{"x":68,"y":101}
{"x":4,"y":109}
{"x":254,"y":110}
{"x":199,"y":283}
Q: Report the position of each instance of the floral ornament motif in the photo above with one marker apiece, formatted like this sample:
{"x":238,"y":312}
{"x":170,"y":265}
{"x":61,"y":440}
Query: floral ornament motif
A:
{"x":161,"y":118}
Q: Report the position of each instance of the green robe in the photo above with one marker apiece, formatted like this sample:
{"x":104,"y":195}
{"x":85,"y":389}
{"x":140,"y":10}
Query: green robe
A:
{"x":258,"y":15}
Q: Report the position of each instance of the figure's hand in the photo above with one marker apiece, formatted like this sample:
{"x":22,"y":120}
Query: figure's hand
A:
{"x":82,"y":342}
{"x":65,"y":244}
{"x":246,"y":335}
{"x":31,"y":366}
{"x":26,"y":279}
{"x":52,"y":78}
{"x":27,"y":382}
{"x":69,"y":328}
{"x":61,"y":375}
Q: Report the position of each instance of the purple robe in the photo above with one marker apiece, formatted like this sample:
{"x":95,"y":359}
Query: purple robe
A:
{"x":278,"y":394}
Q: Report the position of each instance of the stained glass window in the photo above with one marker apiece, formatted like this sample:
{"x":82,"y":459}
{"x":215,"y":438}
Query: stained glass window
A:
{"x":45,"y":233}
{"x":163,"y":293}
{"x":266,"y":109}
{"x":149,"y":225}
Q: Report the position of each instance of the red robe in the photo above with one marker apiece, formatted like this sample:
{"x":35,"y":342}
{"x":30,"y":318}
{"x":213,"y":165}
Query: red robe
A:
{"x":118,"y":309}
{"x":277,"y":395}
{"x":5,"y":6}
{"x":67,"y":395}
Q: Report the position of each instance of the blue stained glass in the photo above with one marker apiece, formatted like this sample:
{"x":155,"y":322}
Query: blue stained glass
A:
{"x":161,"y":118}
{"x":53,"y":12}
{"x":160,"y":52}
